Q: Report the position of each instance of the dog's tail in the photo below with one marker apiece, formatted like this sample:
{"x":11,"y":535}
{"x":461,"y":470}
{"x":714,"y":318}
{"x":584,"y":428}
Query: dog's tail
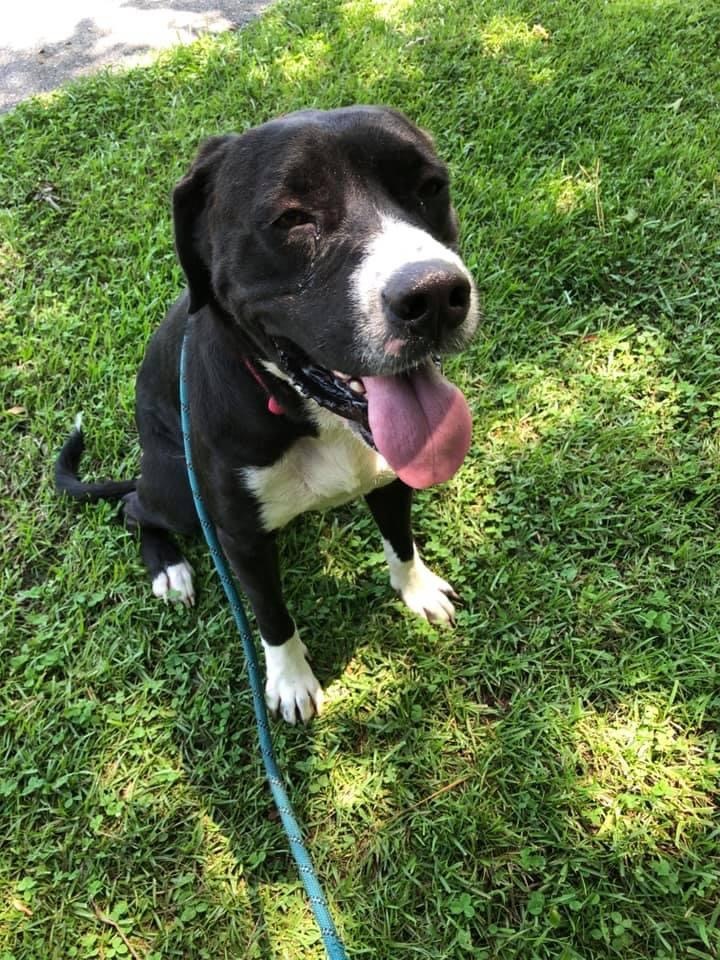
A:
{"x":68,"y":482}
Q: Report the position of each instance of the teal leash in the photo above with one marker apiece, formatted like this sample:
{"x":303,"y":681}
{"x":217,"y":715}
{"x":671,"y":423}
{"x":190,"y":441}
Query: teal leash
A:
{"x":333,"y":945}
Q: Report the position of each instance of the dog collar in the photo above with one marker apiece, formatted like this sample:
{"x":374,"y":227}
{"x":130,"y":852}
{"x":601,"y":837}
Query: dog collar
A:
{"x":273,"y":405}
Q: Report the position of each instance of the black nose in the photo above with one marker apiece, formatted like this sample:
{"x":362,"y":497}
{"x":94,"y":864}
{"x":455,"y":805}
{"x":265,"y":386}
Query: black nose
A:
{"x":427,"y":298}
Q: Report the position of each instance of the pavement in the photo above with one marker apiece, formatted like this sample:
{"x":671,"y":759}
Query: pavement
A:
{"x":45,"y":43}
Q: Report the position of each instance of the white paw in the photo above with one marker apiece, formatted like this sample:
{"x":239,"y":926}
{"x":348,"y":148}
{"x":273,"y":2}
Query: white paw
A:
{"x":426,"y":594}
{"x":175,"y":583}
{"x":291,"y":688}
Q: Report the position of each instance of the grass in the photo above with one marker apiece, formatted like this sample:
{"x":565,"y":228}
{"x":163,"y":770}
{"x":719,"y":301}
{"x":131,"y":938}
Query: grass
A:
{"x":541,"y":783}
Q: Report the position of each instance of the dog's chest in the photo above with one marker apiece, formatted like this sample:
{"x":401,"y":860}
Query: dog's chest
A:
{"x":317,"y":473}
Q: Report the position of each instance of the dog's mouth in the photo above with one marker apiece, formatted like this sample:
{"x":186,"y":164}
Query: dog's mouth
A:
{"x":338,"y":392}
{"x":416,"y":419}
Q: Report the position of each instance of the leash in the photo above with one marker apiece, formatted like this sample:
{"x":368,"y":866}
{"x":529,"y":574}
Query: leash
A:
{"x":333,"y":945}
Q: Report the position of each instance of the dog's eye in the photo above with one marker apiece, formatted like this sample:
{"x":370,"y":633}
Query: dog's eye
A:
{"x":430,"y":188}
{"x":292,"y":217}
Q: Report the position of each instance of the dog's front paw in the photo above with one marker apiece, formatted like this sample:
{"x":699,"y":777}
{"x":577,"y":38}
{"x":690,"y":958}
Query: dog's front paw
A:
{"x":291,"y":689}
{"x":175,"y":583}
{"x":429,"y":595}
{"x":425,"y":593}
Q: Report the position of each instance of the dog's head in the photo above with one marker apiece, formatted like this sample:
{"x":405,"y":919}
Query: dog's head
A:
{"x":329,"y":237}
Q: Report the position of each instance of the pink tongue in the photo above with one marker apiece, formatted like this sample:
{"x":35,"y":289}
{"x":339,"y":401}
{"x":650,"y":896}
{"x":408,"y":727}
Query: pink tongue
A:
{"x":420,"y":423}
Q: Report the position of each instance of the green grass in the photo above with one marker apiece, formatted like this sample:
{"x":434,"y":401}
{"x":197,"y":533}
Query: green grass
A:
{"x":541,"y":783}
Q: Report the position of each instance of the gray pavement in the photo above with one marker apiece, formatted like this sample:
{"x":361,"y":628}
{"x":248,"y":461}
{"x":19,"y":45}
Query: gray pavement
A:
{"x":45,"y":43}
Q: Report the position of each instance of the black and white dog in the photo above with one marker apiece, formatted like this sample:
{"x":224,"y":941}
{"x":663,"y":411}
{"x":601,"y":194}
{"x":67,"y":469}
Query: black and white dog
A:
{"x":320,"y":256}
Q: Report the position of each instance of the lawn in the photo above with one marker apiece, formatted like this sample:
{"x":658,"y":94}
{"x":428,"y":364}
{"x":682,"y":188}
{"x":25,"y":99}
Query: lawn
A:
{"x":541,"y":782}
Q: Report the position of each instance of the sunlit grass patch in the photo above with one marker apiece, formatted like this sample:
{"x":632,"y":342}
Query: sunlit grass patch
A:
{"x":393,"y":10}
{"x":311,"y":57}
{"x":647,"y":784}
{"x":505,"y":34}
{"x":573,"y":192}
{"x":10,"y":260}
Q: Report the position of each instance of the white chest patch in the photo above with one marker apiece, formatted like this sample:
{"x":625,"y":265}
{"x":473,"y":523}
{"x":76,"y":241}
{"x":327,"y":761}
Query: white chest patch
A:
{"x":317,"y":473}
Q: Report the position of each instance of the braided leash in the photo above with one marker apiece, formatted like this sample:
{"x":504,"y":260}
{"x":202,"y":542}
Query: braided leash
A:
{"x":333,"y":945}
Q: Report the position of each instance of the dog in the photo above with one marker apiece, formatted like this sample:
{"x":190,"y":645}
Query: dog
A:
{"x":320,"y":252}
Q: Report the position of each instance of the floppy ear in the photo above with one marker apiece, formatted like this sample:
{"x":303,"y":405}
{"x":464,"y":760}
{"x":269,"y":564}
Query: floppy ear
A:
{"x":192,"y":198}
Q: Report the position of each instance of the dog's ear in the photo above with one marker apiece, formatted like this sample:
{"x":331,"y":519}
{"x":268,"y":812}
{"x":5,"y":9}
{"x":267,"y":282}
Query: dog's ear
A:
{"x":192,"y":198}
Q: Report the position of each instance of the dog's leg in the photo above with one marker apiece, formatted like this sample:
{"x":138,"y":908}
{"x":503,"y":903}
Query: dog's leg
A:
{"x":291,"y":687}
{"x":169,"y":571}
{"x":425,"y":593}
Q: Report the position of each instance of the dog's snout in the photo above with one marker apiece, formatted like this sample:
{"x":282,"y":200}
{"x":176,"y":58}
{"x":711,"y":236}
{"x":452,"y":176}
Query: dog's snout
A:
{"x":428,"y":298}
